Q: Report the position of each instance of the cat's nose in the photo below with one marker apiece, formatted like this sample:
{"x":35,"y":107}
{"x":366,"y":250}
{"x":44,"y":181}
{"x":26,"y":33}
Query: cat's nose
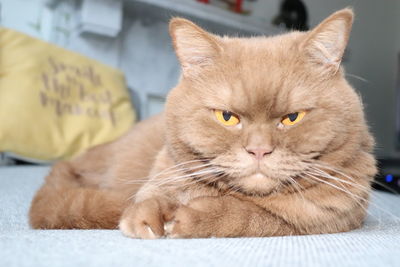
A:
{"x":259,"y":152}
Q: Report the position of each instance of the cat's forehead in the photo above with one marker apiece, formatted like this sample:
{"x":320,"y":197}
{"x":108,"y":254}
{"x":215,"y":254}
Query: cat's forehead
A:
{"x":261,"y":74}
{"x":276,"y":48}
{"x":253,"y":99}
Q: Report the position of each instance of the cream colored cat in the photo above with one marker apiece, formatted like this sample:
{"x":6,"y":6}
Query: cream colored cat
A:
{"x":261,"y":137}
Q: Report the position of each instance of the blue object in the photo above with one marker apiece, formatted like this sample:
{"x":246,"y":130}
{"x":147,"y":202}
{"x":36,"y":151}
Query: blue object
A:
{"x":389,"y":178}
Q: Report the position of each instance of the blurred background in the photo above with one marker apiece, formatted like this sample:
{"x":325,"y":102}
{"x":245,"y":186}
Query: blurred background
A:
{"x":132,"y":35}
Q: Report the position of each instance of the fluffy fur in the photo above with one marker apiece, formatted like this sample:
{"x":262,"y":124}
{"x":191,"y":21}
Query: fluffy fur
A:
{"x":184,"y":174}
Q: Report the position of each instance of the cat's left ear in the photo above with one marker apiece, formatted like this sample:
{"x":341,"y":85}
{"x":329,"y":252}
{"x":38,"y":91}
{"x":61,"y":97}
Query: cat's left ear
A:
{"x":325,"y":44}
{"x":196,"y":49}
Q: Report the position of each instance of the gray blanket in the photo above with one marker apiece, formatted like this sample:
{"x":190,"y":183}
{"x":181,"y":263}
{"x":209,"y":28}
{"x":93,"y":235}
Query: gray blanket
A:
{"x":376,"y":244}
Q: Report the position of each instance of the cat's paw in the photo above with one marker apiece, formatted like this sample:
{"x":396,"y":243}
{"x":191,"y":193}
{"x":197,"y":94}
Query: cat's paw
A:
{"x":197,"y":219}
{"x":145,"y":219}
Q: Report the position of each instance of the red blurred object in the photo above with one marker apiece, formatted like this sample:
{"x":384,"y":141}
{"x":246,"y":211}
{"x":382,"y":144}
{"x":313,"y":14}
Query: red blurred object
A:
{"x":238,"y":6}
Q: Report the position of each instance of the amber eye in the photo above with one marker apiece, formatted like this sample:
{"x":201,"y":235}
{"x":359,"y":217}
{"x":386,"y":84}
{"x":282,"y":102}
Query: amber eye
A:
{"x":293,"y":118}
{"x":227,"y":118}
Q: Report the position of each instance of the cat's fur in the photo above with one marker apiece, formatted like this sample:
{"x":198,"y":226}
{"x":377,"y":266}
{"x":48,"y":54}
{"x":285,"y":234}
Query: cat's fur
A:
{"x":184,"y":174}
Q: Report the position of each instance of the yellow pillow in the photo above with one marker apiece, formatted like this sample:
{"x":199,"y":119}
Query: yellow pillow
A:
{"x":54,"y":103}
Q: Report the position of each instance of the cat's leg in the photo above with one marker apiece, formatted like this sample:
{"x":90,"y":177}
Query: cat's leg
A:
{"x":75,"y":208}
{"x":226,"y":216}
{"x":290,"y":214}
{"x":63,"y":203}
{"x":154,"y":203}
{"x":146,"y":219}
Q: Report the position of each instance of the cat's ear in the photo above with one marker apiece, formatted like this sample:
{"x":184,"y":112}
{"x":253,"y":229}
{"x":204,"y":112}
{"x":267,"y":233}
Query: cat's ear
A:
{"x":194,"y":47}
{"x":326,"y":43}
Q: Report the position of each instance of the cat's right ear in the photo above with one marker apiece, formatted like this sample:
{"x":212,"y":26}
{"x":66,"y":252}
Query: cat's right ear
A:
{"x":196,"y":49}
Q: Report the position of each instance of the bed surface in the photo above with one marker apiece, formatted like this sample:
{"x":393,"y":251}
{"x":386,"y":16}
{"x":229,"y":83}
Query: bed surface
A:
{"x":376,"y":244}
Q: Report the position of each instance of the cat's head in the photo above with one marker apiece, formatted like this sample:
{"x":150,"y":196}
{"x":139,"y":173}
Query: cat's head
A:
{"x":264,"y":110}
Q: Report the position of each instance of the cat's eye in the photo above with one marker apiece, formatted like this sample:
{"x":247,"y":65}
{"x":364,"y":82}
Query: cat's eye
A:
{"x":293,"y":118}
{"x":227,"y":118}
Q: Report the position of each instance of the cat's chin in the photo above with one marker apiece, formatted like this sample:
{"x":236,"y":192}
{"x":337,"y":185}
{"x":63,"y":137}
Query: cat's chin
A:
{"x":258,"y":184}
{"x":258,"y":176}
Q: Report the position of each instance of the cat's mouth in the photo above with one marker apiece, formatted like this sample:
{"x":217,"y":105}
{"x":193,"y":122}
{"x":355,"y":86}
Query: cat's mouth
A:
{"x":259,"y":184}
{"x":256,"y":172}
{"x":260,"y":178}
{"x":259,"y":175}
{"x":256,"y":181}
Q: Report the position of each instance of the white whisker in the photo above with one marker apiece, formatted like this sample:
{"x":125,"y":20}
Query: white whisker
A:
{"x":164,"y":172}
{"x":357,"y":77}
{"x":353,"y":196}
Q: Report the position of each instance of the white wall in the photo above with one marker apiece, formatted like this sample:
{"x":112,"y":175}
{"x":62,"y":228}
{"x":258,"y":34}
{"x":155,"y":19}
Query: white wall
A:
{"x":144,"y":52}
{"x":28,"y":16}
{"x":372,"y":57}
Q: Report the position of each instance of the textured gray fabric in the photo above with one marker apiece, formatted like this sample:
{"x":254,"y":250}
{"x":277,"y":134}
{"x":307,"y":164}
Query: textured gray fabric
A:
{"x":376,"y":244}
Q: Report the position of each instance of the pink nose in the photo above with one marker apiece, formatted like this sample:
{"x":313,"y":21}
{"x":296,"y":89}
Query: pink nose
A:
{"x":259,"y":152}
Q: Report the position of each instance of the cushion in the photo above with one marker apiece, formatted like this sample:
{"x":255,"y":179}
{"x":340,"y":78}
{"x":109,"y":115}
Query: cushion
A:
{"x":55,"y":103}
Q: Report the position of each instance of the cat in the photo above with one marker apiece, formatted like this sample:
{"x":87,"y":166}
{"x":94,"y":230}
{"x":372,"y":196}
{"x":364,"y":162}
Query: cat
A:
{"x":262,"y":136}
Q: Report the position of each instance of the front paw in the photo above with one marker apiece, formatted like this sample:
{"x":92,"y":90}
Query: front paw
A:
{"x":146,"y":219}
{"x":199,"y":219}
